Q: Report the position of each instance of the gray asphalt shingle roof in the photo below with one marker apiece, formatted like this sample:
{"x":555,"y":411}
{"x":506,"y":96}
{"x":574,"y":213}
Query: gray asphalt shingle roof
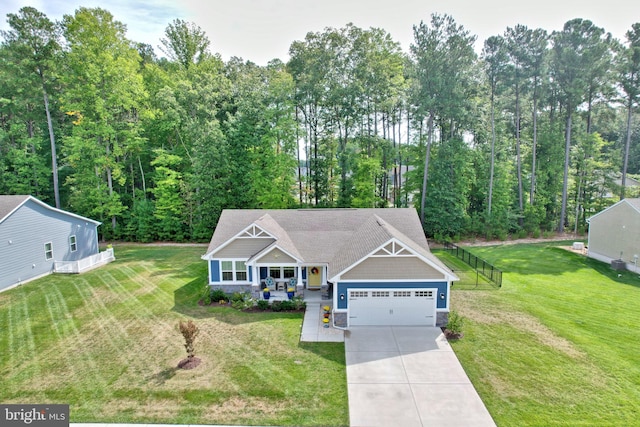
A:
{"x":337,"y":237}
{"x":9,"y":203}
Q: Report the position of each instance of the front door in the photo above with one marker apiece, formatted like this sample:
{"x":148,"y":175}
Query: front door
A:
{"x":314,"y":277}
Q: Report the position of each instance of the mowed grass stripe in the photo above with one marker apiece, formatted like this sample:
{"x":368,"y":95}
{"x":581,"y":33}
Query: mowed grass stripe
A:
{"x":79,"y":366}
{"x":21,"y":343}
{"x":133,"y":314}
{"x":106,"y":329}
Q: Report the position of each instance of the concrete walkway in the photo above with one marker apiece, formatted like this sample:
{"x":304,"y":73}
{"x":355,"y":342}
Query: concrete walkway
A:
{"x":408,"y":376}
{"x":313,"y":328}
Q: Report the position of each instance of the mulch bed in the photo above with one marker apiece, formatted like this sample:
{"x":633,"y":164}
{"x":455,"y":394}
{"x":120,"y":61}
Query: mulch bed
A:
{"x":216,"y":303}
{"x":451,"y":335}
{"x":189,"y":363}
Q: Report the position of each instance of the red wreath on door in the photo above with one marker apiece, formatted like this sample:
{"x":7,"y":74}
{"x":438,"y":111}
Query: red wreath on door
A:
{"x":314,"y":271}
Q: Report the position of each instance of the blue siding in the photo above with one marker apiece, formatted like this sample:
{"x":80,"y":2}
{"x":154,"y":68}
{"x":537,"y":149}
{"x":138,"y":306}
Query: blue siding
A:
{"x":344,"y":287}
{"x":24,"y":233}
{"x":214,"y":266}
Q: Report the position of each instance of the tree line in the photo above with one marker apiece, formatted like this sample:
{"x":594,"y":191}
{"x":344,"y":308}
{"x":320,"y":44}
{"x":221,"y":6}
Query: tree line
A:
{"x":536,"y":133}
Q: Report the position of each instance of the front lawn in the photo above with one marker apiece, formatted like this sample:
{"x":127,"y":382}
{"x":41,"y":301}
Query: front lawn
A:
{"x":107,"y":343}
{"x":558,"y":345}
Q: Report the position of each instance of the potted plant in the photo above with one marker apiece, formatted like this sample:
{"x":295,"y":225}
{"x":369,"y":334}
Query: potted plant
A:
{"x":291,"y":292}
{"x":266,"y":293}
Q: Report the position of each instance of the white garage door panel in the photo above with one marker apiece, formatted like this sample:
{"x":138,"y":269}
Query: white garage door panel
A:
{"x":396,"y":307}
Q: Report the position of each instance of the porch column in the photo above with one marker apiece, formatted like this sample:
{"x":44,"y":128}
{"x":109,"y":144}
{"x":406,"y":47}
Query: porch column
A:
{"x":255,"y":277}
{"x":255,"y":280}
{"x":300,"y":284}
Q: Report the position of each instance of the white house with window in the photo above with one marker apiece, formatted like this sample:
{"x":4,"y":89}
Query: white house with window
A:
{"x":375,"y":263}
{"x":35,"y":237}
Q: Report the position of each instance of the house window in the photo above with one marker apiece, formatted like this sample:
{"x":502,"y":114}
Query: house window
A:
{"x":380,"y":294}
{"x":48,"y":251}
{"x":233,"y":271}
{"x":241,"y":271}
{"x":401,"y":293}
{"x":426,"y":294}
{"x":227,"y":270}
{"x":275,"y":272}
{"x":359,"y":294}
{"x":282,"y":272}
{"x":289,"y":272}
{"x":73,"y":244}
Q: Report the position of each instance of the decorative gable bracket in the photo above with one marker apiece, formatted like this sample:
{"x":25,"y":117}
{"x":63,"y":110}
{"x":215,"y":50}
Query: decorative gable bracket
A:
{"x":393,"y":248}
{"x":253,"y":232}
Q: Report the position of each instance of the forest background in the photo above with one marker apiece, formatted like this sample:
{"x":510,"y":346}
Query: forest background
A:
{"x":535,"y":133}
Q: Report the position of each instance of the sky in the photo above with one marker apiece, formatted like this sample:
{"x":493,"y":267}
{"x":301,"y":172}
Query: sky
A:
{"x":261,"y":30}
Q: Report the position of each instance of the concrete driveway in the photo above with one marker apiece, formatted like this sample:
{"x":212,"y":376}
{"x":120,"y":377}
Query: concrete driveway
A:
{"x":408,"y":376}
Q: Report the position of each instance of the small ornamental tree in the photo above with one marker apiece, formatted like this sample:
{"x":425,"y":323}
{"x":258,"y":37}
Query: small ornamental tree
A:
{"x":189,"y":331}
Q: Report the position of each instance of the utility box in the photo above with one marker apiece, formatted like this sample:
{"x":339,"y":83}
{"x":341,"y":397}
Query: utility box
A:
{"x":618,"y":264}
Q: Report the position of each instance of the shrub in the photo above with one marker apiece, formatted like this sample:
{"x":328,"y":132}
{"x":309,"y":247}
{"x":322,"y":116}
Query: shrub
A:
{"x":286,"y":305}
{"x":298,"y":303}
{"x":263,"y":304}
{"x":454,"y":324}
{"x":240,"y":296}
{"x":218,"y":295}
{"x":276,"y":306}
{"x":243,"y":304}
{"x":536,"y":233}
{"x":189,"y":331}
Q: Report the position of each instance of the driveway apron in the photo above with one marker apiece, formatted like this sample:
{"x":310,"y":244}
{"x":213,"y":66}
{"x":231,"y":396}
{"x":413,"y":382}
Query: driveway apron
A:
{"x":408,"y":376}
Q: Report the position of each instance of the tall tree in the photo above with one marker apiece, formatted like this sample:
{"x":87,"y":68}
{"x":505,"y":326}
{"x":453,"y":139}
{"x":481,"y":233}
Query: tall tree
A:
{"x":104,"y":92}
{"x":185,"y":43}
{"x":573,"y":49}
{"x":630,"y":82}
{"x":516,"y":40}
{"x":535,"y":53}
{"x":495,"y":59}
{"x":34,"y":41}
{"x":443,"y":54}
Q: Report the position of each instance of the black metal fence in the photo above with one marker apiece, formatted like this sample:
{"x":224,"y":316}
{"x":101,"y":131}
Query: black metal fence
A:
{"x":478,"y":264}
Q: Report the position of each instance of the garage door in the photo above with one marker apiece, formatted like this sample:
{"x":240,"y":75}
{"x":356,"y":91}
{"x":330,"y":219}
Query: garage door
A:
{"x":397,"y":307}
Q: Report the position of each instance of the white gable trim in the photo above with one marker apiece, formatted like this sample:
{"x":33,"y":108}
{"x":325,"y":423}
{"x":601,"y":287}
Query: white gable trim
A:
{"x":394,"y":248}
{"x":51,"y":208}
{"x":613,"y":206}
{"x":253,"y":231}
{"x":265,"y":251}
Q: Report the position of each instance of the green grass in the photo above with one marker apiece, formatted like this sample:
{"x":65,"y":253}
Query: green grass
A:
{"x":106,"y":342}
{"x":469,"y":278}
{"x":558,"y":345}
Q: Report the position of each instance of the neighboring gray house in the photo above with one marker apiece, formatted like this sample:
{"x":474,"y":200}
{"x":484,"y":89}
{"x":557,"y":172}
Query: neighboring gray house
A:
{"x":376,"y":262}
{"x":614,"y":233}
{"x":34,"y":237}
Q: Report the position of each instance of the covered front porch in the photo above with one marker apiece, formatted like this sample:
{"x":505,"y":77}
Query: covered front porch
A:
{"x":279,"y":278}
{"x":309,"y":295}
